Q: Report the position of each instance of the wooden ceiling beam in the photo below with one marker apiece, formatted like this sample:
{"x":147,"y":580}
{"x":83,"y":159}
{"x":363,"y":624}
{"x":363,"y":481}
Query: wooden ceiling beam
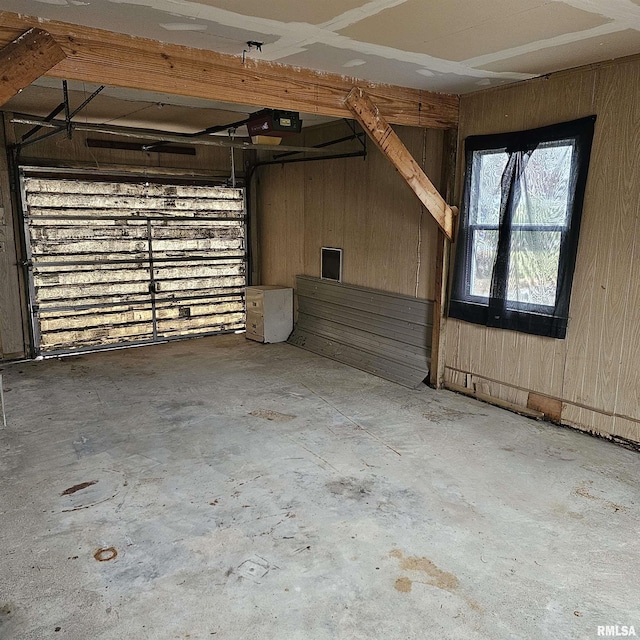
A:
{"x":103,"y":57}
{"x":386,"y":139}
{"x":25,"y":59}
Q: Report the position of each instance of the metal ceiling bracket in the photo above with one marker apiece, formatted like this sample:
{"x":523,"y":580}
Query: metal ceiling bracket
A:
{"x":48,"y":118}
{"x":232,"y":133}
{"x":360,"y":136}
{"x":68,"y":116}
{"x":87,"y":101}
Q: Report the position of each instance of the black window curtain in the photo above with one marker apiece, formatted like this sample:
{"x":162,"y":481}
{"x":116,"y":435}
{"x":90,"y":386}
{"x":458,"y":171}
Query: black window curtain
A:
{"x":519,"y":226}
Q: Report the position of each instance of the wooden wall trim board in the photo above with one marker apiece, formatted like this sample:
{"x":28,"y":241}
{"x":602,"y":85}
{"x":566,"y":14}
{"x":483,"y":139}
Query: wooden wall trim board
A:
{"x":484,"y":397}
{"x":94,"y":55}
{"x":25,"y":59}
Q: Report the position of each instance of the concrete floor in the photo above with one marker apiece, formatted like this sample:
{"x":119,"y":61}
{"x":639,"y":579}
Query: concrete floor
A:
{"x":255,"y":491}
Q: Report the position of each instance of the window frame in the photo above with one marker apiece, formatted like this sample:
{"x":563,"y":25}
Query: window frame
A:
{"x":497,"y":310}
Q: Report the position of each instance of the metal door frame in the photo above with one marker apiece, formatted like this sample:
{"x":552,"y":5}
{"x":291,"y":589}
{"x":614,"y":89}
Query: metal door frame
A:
{"x":27,"y":264}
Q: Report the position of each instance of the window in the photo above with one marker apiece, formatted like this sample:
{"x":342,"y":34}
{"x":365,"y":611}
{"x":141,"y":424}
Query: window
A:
{"x":518,"y":235}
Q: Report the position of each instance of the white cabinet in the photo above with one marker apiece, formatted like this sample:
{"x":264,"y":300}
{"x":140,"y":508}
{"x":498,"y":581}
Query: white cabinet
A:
{"x":269,"y":313}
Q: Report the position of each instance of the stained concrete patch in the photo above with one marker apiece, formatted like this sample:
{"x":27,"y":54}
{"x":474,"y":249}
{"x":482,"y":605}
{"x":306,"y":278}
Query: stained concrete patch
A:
{"x":403,"y":585}
{"x":274,"y":416}
{"x":561,"y":453}
{"x":350,"y":488}
{"x":6,"y":611}
{"x":104,"y":485}
{"x":585,"y":492}
{"x":563,"y":511}
{"x":106,"y":554}
{"x":181,"y":411}
{"x":439,"y":578}
{"x":442,"y":414}
{"x":9,"y":622}
{"x":96,"y":441}
{"x":78,"y":487}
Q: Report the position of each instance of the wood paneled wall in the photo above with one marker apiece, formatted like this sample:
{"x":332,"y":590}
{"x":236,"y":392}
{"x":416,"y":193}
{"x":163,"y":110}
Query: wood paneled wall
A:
{"x":361,"y":206}
{"x":593,"y":376}
{"x":60,"y":151}
{"x":12,"y":300}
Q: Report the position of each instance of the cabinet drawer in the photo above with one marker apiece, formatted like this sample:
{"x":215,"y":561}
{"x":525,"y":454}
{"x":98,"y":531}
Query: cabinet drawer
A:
{"x":254,"y":300}
{"x":255,"y":325}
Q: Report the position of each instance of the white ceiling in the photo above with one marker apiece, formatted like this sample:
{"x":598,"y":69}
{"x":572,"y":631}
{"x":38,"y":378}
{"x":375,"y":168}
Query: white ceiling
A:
{"x":455,"y":46}
{"x":442,"y":45}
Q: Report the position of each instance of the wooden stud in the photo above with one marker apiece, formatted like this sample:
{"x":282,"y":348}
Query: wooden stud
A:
{"x":436,"y":371}
{"x":443,"y":250}
{"x":25,"y":59}
{"x":380,"y":131}
{"x":94,"y":55}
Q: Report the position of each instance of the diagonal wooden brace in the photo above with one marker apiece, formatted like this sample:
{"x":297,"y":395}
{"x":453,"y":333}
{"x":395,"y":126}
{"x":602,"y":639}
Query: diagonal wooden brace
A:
{"x":25,"y":59}
{"x":379,"y":130}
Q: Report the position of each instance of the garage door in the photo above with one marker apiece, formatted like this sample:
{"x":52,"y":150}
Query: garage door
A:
{"x":115,"y":263}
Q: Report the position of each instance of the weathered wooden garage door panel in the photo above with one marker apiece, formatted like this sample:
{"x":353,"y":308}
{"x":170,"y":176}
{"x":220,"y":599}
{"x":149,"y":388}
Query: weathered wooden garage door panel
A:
{"x":120,"y":325}
{"x":200,"y":297}
{"x":134,"y":199}
{"x":92,"y":293}
{"x":206,"y":318}
{"x":54,"y":240}
{"x":117,"y":263}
